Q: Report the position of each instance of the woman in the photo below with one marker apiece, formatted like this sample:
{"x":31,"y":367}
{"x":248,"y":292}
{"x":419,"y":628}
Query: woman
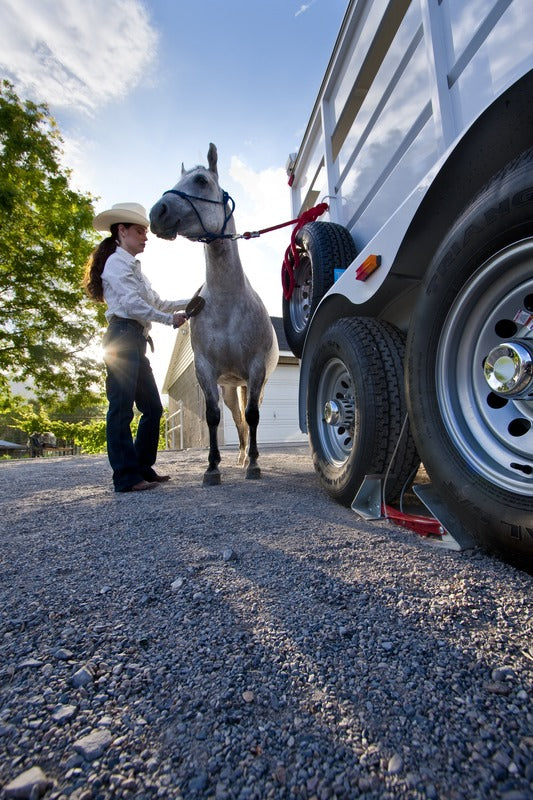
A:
{"x":113,"y":276}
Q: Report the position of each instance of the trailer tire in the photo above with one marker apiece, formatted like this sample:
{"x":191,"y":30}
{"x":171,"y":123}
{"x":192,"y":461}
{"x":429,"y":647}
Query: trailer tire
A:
{"x":322,"y":248}
{"x":476,"y":445}
{"x":358,"y":366}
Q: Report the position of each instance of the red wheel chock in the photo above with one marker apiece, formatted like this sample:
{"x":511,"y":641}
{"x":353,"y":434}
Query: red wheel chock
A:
{"x":439,"y":527}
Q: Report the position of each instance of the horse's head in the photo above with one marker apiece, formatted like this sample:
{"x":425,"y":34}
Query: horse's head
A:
{"x":196,"y":207}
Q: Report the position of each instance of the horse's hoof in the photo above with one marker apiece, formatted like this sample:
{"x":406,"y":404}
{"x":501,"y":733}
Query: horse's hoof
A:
{"x":253,"y":473}
{"x":211,"y":478}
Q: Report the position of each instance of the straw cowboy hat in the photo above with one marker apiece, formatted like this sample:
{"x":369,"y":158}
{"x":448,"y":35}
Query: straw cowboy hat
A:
{"x":121,"y":212}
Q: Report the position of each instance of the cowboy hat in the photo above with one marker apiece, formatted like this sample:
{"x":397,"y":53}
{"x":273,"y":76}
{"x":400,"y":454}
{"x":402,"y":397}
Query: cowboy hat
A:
{"x":121,"y":212}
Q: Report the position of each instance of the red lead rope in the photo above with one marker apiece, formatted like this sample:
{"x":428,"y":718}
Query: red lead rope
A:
{"x":291,"y":259}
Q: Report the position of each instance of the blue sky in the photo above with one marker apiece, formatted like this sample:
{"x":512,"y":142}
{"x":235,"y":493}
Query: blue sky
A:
{"x":140,"y":86}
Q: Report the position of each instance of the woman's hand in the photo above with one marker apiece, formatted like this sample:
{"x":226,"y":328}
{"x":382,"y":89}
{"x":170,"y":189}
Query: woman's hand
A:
{"x":179,"y":318}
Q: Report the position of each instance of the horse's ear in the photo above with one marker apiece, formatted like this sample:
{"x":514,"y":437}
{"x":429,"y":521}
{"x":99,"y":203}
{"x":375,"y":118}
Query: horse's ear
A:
{"x":212,"y":158}
{"x":182,"y":168}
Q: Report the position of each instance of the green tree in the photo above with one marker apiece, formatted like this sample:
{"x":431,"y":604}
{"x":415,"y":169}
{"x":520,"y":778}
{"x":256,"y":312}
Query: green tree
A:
{"x":88,"y":433}
{"x":47,"y":326}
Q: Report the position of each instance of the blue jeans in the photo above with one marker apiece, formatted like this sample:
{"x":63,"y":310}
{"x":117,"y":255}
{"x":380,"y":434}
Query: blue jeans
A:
{"x":130,"y":380}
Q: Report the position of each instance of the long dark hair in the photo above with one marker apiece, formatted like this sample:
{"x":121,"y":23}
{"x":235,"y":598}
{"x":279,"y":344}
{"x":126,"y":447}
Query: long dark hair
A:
{"x":92,"y":279}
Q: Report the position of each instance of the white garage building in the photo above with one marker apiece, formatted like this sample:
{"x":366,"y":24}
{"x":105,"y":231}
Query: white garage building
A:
{"x":186,"y":425}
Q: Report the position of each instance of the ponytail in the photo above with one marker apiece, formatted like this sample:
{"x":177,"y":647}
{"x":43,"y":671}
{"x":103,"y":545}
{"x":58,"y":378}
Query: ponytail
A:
{"x":92,"y":279}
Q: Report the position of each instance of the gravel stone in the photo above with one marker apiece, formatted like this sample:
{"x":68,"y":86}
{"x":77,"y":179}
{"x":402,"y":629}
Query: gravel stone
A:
{"x":82,"y":677}
{"x":395,"y":764}
{"x":93,"y":745}
{"x":30,"y":784}
{"x":250,"y":641}
{"x":63,"y":653}
{"x":64,"y":713}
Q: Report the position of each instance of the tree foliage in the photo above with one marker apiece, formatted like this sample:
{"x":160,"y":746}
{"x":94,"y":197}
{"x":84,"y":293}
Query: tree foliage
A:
{"x":89,"y":434}
{"x":47,"y":326}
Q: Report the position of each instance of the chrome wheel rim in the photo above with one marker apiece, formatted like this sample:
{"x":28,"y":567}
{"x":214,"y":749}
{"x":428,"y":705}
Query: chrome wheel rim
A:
{"x":336,"y":411}
{"x":300,"y":303}
{"x":493,"y":434}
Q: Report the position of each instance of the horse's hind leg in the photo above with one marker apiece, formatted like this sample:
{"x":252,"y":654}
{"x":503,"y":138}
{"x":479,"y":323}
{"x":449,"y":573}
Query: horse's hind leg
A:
{"x":256,"y":386}
{"x":232,"y":399}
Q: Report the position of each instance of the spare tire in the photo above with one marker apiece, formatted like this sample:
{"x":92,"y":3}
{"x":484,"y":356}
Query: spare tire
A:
{"x":323,"y":247}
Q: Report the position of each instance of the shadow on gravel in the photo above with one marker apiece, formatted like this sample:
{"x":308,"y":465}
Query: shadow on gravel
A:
{"x":253,"y":640}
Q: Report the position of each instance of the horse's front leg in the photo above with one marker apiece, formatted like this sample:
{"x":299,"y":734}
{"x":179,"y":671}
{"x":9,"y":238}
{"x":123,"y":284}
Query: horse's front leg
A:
{"x":212,"y":415}
{"x":253,"y":470}
{"x":209,"y":387}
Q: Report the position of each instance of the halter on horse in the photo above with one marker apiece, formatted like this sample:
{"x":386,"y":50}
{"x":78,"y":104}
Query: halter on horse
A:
{"x":209,"y":237}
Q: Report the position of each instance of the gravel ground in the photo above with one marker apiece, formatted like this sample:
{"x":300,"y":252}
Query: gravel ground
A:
{"x":253,"y":640}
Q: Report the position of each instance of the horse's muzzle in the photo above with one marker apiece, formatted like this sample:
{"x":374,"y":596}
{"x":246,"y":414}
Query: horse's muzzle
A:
{"x":161,"y":223}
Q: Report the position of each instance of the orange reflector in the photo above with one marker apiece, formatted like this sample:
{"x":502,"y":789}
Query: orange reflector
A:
{"x":367,"y":267}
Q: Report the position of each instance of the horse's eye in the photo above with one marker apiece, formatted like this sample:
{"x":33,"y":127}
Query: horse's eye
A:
{"x":201,"y":180}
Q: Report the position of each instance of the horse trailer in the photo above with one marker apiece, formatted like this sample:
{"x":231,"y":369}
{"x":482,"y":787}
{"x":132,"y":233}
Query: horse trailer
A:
{"x":410,"y":302}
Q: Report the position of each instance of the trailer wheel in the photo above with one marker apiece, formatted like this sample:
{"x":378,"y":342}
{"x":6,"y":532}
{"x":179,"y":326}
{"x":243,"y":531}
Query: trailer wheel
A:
{"x":322,"y":248}
{"x":356,"y":409}
{"x":470,"y":396}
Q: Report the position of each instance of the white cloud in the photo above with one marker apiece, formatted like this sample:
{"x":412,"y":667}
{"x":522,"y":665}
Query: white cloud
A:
{"x":75,"y":53}
{"x":265,"y":202}
{"x":266,"y":195}
{"x":176,"y":269}
{"x":76,"y":157}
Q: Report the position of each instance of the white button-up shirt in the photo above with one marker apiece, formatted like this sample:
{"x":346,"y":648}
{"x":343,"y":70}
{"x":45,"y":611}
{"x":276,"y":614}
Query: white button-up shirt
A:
{"x":128,"y":293}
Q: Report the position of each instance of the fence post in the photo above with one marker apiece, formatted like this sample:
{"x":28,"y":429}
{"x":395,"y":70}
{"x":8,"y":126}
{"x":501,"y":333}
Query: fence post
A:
{"x":170,"y":428}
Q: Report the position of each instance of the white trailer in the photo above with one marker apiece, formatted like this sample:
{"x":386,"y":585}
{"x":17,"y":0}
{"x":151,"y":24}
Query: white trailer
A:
{"x":412,"y":304}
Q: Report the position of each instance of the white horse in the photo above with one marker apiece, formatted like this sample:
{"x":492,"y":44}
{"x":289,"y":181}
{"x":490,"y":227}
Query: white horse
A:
{"x":233,"y":340}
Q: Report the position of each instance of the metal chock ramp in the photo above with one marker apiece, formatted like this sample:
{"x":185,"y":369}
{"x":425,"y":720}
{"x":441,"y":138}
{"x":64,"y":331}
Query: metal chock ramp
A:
{"x":456,"y":536}
{"x":367,"y":501}
{"x":441,"y":529}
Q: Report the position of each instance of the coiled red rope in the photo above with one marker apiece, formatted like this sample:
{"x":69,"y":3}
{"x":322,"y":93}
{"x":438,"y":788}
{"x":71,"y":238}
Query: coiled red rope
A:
{"x":291,"y":259}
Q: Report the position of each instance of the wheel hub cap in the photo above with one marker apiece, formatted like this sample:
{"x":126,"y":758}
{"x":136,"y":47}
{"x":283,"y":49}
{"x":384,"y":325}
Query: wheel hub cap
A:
{"x":509,"y":369}
{"x":339,"y":412}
